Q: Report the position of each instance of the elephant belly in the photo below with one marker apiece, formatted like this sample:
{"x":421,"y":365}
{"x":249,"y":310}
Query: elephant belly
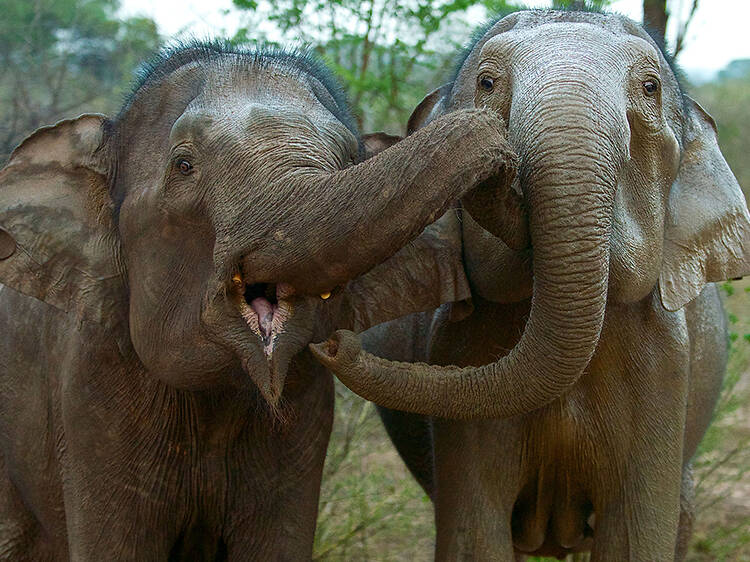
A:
{"x":616,"y":442}
{"x":553,"y":512}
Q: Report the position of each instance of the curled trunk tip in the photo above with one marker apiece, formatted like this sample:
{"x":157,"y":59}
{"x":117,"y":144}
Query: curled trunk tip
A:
{"x":342,"y":347}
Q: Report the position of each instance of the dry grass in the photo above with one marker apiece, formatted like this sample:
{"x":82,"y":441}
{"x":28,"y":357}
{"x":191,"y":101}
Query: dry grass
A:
{"x":722,"y":529}
{"x":370,"y":507}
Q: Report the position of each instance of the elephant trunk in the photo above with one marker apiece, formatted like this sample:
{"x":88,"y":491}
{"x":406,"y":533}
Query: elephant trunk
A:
{"x":499,"y":209}
{"x":569,"y":180}
{"x":376,"y":207}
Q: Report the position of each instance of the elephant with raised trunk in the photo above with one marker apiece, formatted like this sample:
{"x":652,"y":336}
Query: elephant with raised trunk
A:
{"x":161,"y":275}
{"x":588,"y":371}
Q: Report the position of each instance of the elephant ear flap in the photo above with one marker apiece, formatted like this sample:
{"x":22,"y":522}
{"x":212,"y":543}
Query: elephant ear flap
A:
{"x":429,"y":108}
{"x":58,"y":242}
{"x":707,"y":231}
{"x":375,"y":143}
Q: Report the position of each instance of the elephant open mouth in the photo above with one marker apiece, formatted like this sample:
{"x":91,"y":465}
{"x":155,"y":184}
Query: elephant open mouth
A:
{"x":265,"y":307}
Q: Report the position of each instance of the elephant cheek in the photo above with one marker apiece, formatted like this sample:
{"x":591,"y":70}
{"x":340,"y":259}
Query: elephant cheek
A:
{"x":638,"y":217}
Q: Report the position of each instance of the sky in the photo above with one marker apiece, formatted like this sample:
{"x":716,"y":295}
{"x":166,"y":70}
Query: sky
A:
{"x":716,"y":36}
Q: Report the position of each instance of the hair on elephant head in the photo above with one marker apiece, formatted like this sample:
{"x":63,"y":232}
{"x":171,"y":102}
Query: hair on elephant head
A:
{"x":215,"y":221}
{"x":624,"y":188}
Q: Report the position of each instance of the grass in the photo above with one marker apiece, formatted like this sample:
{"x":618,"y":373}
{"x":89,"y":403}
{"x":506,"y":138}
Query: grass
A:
{"x":722,"y":465}
{"x":371,"y":508}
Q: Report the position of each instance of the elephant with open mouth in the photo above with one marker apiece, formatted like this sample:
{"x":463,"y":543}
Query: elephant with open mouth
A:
{"x":161,"y":275}
{"x":581,"y":384}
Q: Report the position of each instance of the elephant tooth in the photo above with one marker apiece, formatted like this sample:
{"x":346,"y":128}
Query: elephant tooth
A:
{"x":237,"y":280}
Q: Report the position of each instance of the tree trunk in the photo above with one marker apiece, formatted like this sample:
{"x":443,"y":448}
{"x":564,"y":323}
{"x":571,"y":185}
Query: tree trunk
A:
{"x":655,"y":18}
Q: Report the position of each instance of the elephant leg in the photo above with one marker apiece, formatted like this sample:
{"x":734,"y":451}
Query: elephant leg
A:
{"x":272,"y":515}
{"x":476,"y":487}
{"x":131,"y":522}
{"x":687,"y":514}
{"x":20,"y":533}
{"x":466,"y":539}
{"x":131,"y":500}
{"x":274,"y":493}
{"x":411,"y":434}
{"x":640,"y":524}
{"x":282,"y":529}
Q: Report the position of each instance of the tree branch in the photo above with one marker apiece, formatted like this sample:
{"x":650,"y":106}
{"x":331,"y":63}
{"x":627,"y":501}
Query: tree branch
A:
{"x":681,"y":34}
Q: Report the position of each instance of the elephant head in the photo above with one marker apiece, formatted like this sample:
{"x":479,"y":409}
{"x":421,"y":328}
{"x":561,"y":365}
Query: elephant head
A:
{"x":212,"y":226}
{"x":625,"y":190}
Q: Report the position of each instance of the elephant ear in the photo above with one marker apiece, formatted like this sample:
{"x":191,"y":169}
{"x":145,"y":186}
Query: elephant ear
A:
{"x":58,"y":242}
{"x":375,"y":143}
{"x":429,"y":108}
{"x":707,"y":231}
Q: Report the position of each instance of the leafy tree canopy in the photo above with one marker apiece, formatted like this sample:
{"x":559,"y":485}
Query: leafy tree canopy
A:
{"x":64,"y":56}
{"x":386,"y":52}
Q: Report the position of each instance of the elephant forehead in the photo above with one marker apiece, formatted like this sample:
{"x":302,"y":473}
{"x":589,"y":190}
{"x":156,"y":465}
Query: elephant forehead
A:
{"x":223,"y":85}
{"x":277,"y":88}
{"x":528,"y":19}
{"x":254,"y":116}
{"x":565,"y":37}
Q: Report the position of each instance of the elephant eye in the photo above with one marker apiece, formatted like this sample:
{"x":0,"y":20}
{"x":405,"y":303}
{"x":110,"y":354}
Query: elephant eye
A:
{"x":184,"y":166}
{"x":486,"y":83}
{"x":650,"y":87}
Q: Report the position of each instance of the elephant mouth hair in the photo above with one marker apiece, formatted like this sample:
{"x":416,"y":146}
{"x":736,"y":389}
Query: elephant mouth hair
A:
{"x":265,"y":308}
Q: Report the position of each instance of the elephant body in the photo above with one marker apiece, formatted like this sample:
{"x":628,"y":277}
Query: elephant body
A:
{"x":160,"y":276}
{"x":561,"y":415}
{"x":617,"y":446}
{"x":102,"y":461}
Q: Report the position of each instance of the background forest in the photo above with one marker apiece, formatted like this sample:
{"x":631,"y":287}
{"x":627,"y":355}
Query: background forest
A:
{"x":63,"y":57}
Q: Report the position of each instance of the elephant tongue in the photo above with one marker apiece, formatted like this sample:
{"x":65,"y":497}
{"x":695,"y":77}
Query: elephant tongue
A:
{"x":265,"y":311}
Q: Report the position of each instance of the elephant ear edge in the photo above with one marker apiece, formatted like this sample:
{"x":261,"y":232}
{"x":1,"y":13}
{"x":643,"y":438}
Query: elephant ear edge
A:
{"x":429,"y":108}
{"x":375,"y":143}
{"x":707,"y":231}
{"x":58,"y":234}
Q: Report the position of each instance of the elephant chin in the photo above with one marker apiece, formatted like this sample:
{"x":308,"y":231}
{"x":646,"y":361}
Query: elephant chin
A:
{"x":267,"y":364}
{"x":263,"y":347}
{"x":268,"y":373}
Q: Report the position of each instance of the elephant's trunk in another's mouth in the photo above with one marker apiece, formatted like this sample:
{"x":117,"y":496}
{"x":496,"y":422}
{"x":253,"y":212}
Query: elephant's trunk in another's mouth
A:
{"x":570,"y":186}
{"x":369,"y":211}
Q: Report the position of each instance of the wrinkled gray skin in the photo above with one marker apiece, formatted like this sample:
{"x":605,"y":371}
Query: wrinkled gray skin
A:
{"x":610,"y":334}
{"x":148,"y":409}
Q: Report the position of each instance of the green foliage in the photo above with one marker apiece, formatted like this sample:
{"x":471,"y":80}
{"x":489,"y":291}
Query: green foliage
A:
{"x":62,"y":57}
{"x":722,"y":464}
{"x":370,"y":508}
{"x":388,"y":53}
{"x":728,"y":288}
{"x":736,"y":70}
